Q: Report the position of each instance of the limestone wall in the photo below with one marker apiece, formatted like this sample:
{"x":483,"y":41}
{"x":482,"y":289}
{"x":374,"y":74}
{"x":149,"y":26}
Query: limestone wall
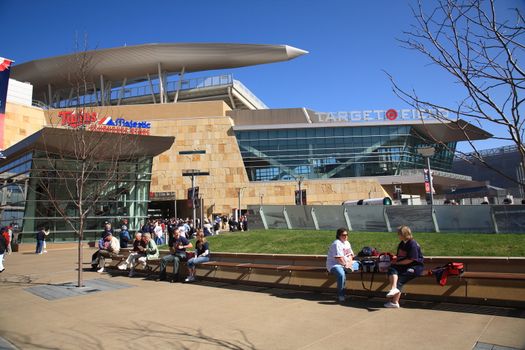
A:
{"x":20,"y":122}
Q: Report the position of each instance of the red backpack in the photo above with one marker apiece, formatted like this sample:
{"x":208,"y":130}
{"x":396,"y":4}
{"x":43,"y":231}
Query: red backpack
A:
{"x":450,"y":269}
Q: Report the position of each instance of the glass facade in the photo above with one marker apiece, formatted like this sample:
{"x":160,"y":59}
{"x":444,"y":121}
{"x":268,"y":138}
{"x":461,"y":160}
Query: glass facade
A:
{"x":29,"y":182}
{"x":336,"y":152}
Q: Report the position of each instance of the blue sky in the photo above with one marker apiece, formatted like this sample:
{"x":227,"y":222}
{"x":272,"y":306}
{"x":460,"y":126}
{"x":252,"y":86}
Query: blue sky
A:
{"x":351,"y":43}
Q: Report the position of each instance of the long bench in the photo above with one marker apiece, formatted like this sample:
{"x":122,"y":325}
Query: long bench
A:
{"x":303,"y":268}
{"x":504,"y":284}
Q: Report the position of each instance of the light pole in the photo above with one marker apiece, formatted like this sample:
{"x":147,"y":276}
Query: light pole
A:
{"x":428,"y":152}
{"x":239,"y":209}
{"x":300,"y":190}
{"x":193,"y":173}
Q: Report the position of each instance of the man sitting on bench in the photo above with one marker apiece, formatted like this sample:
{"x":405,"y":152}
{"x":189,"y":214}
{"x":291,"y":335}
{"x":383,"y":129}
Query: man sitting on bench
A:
{"x":138,"y":251}
{"x":152,"y":252}
{"x":110,"y":250}
{"x":178,"y":246}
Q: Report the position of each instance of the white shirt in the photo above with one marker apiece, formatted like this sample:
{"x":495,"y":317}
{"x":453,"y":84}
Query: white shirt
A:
{"x":338,"y":249}
{"x":158,"y":231}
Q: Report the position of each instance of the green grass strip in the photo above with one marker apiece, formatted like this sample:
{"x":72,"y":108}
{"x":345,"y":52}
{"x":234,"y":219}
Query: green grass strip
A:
{"x":310,"y":242}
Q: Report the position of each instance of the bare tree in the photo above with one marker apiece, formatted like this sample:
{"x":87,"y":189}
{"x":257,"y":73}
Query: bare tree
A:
{"x":482,"y":53}
{"x":81,"y":168}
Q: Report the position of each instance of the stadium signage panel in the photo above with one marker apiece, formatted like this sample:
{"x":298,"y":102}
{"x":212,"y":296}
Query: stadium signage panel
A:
{"x":93,"y":122}
{"x":373,"y":115}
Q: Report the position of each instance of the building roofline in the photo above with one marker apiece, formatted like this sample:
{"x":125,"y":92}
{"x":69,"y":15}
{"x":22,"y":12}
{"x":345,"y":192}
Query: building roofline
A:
{"x":133,"y":62}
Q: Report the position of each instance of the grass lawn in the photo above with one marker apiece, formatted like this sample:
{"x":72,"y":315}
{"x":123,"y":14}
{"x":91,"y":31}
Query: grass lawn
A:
{"x":317,"y":242}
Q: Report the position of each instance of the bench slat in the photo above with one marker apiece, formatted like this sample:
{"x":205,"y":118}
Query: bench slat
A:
{"x":494,"y":275}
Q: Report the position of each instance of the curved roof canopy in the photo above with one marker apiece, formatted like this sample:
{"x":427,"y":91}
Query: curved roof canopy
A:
{"x":117,"y":64}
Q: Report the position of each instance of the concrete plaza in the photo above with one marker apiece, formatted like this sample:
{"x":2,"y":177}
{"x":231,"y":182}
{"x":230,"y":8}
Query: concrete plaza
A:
{"x":206,"y":315}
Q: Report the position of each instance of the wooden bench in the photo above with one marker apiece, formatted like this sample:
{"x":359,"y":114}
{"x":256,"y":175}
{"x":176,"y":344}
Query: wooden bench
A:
{"x":494,"y":276}
{"x":321,"y":269}
{"x":274,"y":267}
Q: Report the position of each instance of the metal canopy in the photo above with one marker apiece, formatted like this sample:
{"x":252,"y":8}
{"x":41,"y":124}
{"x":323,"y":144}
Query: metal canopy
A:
{"x":60,"y":141}
{"x":117,"y":64}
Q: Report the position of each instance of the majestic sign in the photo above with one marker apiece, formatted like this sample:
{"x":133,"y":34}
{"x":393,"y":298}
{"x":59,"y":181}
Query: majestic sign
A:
{"x":93,"y":122}
{"x":5,"y":65}
{"x":379,"y":115}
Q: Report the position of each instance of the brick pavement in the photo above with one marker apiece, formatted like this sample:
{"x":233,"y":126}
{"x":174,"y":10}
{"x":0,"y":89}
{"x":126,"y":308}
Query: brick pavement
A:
{"x":208,"y":315}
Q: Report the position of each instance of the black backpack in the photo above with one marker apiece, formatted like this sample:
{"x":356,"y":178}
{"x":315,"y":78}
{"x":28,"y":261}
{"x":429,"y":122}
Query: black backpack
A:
{"x":367,"y":251}
{"x":368,"y":260}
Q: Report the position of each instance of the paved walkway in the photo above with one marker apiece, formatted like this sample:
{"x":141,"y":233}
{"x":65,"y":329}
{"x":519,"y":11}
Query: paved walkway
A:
{"x":221,"y":316}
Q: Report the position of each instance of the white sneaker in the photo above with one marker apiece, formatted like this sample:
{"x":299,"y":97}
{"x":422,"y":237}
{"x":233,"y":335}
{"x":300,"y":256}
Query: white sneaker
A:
{"x":123,"y":266}
{"x":189,"y":279}
{"x":392,"y":292}
{"x":45,"y":251}
{"x":391,"y":305}
{"x":100,"y":270}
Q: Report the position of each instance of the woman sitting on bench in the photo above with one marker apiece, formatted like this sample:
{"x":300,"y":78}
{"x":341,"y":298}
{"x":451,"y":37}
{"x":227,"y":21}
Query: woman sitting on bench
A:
{"x":407,"y":266}
{"x":202,"y":254}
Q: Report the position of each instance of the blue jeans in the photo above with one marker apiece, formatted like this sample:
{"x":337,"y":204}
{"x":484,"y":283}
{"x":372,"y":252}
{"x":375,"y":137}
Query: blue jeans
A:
{"x":176,"y":259}
{"x":339,"y":272}
{"x":39,"y":246}
{"x":195,"y":261}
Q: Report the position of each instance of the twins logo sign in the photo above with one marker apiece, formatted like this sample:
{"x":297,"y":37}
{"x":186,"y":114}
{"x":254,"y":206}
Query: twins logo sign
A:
{"x":92,"y":122}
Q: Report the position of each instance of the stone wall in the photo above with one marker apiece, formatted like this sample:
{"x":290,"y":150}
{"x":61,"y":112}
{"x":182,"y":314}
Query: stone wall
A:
{"x":20,"y":122}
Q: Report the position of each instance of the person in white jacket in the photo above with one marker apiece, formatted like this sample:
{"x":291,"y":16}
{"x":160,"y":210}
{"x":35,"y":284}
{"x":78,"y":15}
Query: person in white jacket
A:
{"x":340,"y":259}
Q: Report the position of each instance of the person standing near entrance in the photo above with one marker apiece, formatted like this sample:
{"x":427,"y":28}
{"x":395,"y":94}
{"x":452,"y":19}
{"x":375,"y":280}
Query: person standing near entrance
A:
{"x":40,"y":238}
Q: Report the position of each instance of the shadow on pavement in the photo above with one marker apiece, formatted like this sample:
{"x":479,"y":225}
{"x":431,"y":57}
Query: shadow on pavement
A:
{"x":176,"y":337}
{"x":371,"y":304}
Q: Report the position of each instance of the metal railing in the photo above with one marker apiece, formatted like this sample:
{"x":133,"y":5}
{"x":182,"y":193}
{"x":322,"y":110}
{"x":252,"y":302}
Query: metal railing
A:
{"x":245,"y":91}
{"x":146,"y":88}
{"x":386,"y":218}
{"x":410,"y":172}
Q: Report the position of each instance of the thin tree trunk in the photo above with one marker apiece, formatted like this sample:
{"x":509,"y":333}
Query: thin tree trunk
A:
{"x":80,"y":255}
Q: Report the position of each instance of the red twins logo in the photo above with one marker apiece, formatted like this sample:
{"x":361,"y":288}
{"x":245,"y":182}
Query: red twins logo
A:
{"x":391,"y":114}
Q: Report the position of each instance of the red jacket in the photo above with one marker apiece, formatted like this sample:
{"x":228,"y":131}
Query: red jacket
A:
{"x":7,"y":236}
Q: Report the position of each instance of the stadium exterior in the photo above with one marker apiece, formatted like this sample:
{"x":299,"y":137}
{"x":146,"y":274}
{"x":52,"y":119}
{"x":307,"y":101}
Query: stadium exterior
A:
{"x":246,"y":153}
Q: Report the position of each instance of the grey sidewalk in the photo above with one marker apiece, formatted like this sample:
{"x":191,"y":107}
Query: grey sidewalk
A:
{"x":221,"y":316}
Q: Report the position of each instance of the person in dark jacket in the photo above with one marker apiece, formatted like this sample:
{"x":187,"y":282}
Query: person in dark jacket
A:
{"x":407,"y":265}
{"x":40,"y":237}
{"x":124,"y":236}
